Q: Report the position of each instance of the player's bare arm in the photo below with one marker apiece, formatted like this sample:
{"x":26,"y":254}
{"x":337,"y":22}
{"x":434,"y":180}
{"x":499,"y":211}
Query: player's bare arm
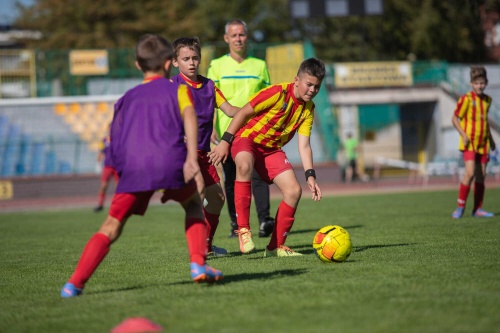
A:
{"x":229,"y":109}
{"x":220,"y":152}
{"x":214,"y":138}
{"x":305,"y":152}
{"x":456,"y":123}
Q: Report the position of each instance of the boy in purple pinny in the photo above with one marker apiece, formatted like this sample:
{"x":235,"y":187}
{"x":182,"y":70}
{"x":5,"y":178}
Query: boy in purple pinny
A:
{"x":207,"y":97}
{"x":150,"y":124}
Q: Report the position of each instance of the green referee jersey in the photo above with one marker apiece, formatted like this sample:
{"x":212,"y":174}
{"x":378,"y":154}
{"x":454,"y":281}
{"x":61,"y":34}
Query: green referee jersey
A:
{"x":237,"y":81}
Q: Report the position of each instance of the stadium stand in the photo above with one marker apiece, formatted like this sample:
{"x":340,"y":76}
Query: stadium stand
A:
{"x":52,"y":135}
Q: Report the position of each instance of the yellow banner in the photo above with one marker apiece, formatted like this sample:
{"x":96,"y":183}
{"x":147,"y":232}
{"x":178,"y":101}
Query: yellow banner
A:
{"x":88,"y":62}
{"x":373,"y":74}
{"x":283,"y":61}
{"x":6,"y":190}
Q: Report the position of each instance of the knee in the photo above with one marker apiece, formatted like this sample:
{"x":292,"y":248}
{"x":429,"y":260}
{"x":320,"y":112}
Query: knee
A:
{"x":468,"y":177}
{"x":293,"y":193}
{"x":112,"y":228}
{"x":245,"y":170}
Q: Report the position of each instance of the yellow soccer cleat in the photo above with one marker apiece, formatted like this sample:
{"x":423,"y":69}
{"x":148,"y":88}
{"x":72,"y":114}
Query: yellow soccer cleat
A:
{"x":282,"y":251}
{"x":246,"y":243}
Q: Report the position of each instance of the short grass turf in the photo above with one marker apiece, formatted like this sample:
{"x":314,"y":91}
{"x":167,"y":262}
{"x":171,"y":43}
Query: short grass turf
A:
{"x":413,"y":269}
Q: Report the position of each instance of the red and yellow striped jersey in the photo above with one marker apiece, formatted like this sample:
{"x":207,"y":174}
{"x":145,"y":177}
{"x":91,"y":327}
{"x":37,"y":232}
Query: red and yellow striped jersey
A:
{"x":472,"y":110}
{"x":278,"y":116}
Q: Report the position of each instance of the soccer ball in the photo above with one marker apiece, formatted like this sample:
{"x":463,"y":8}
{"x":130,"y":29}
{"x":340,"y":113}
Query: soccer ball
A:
{"x":332,"y":243}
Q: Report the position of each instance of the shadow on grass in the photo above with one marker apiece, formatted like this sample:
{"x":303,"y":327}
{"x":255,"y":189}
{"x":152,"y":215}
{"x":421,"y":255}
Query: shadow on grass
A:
{"x":263,"y":275}
{"x":248,"y":276}
{"x":367,"y":247}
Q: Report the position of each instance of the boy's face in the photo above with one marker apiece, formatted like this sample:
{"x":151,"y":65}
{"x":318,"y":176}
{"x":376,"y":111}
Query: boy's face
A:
{"x":478,"y":85}
{"x":188,"y":62}
{"x":306,"y":87}
{"x":236,"y":38}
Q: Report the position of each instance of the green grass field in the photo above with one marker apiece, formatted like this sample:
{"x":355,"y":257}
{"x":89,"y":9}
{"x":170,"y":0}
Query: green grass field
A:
{"x":413,"y":269}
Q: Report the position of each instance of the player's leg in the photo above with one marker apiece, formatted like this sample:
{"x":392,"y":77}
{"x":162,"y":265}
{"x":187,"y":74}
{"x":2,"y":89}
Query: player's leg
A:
{"x":196,"y":231}
{"x":122,"y":207}
{"x":285,"y":215}
{"x":275,"y":167}
{"x":261,"y":195}
{"x":214,"y":196}
{"x":463,"y":192}
{"x":479,"y":189}
{"x":105,"y":178}
{"x":229,"y":169}
{"x":243,"y":198}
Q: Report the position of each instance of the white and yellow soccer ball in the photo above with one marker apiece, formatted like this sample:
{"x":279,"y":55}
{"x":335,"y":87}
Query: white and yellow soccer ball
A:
{"x":332,"y":243}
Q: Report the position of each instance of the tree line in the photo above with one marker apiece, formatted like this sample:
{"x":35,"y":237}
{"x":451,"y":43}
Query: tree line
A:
{"x":447,"y":30}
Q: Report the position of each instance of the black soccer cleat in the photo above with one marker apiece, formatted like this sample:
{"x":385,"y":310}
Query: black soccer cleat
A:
{"x":266,"y":227}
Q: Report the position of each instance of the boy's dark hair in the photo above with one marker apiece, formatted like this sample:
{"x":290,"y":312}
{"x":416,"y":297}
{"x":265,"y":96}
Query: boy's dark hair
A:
{"x":478,"y":72}
{"x":192,"y":43}
{"x":313,"y":67}
{"x":152,"y":51}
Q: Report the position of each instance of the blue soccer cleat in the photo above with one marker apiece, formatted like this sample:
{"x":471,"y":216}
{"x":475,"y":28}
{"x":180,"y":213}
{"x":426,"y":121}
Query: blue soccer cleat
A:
{"x":458,"y":212}
{"x":69,"y":290}
{"x":205,"y":273}
{"x":217,"y":252}
{"x":482,"y":213}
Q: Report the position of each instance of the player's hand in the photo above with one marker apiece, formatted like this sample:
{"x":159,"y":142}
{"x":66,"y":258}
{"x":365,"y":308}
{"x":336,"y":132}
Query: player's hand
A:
{"x":214,"y":138}
{"x":466,"y":140}
{"x":315,"y":190}
{"x":219,"y":153}
{"x":190,"y":169}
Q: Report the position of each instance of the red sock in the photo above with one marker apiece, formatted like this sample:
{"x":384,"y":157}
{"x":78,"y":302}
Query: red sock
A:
{"x":101,"y":199}
{"x":463,"y":193}
{"x":285,"y":216}
{"x":242,"y":202}
{"x":93,"y":254}
{"x":478,"y":195}
{"x":212,"y":223}
{"x":196,"y":235}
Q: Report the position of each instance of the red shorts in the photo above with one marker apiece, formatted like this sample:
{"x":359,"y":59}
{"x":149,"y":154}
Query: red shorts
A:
{"x":208,"y":170}
{"x":107,"y":173}
{"x":269,"y":162}
{"x":123,"y":205}
{"x":473,"y":156}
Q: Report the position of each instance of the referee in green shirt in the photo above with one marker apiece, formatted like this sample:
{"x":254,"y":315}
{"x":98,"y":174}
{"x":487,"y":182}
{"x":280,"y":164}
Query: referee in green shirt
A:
{"x":239,"y":76}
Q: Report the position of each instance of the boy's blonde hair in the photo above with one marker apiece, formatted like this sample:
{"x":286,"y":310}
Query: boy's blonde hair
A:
{"x":478,"y":72}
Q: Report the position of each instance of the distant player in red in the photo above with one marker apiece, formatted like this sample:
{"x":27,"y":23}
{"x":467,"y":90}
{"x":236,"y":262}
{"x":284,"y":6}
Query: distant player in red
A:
{"x":154,"y":135}
{"x":108,"y":172}
{"x":207,"y":97}
{"x":471,"y":121}
{"x":257,"y":133}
